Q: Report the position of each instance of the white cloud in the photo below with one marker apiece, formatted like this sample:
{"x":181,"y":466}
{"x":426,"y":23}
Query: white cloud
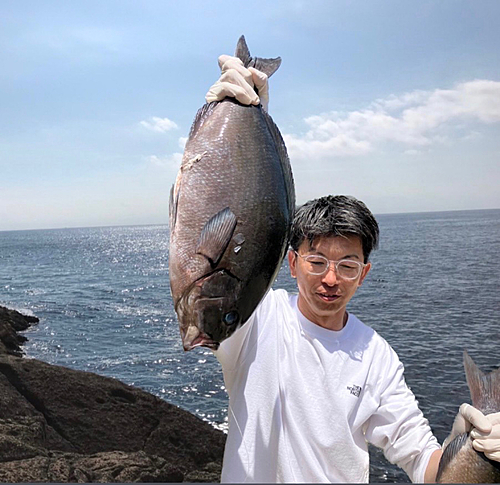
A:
{"x":474,"y":135}
{"x":412,"y":120}
{"x":411,"y":152}
{"x":394,"y":102}
{"x":169,"y":161}
{"x":312,"y":146}
{"x":159,"y":125}
{"x":172,"y":161}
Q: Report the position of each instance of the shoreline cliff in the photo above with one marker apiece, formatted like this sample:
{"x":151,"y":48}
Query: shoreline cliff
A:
{"x":62,"y":425}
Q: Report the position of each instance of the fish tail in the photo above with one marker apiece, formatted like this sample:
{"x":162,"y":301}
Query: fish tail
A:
{"x":484,"y":388}
{"x":267,"y":66}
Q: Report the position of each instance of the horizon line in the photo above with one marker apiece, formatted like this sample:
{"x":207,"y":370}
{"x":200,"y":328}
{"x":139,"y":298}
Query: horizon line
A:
{"x":109,"y":226}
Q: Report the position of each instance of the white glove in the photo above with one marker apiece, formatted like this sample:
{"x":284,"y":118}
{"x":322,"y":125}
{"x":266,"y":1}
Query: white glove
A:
{"x":467,"y":418}
{"x":484,"y":430}
{"x":238,"y":82}
{"x":488,"y":442}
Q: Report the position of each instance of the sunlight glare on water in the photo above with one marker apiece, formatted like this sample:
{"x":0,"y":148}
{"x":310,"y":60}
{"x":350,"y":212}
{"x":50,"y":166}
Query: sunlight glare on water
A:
{"x":103,"y":299}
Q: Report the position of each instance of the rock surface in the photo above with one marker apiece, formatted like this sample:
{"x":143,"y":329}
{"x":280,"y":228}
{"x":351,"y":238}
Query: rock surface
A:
{"x":63,"y":425}
{"x":12,"y":322}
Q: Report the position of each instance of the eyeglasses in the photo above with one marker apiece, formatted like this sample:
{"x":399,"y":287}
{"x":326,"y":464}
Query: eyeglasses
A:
{"x":346,"y":269}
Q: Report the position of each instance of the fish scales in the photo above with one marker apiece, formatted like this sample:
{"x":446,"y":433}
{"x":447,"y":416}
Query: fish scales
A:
{"x":460,"y":462}
{"x":242,"y":184}
{"x":230,"y":214}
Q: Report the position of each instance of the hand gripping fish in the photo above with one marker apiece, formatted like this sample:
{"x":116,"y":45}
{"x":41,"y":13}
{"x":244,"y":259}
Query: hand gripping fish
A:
{"x":460,"y":462}
{"x":231,"y":209}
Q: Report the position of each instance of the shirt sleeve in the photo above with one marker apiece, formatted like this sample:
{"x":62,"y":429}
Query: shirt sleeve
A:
{"x":233,"y":350}
{"x":398,"y":426}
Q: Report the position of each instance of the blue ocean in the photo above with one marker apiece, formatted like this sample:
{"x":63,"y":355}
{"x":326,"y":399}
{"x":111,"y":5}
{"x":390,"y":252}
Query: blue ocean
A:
{"x":103,"y":299}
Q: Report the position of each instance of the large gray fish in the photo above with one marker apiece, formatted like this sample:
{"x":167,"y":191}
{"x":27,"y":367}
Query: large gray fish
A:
{"x":460,"y":462}
{"x":230,"y":214}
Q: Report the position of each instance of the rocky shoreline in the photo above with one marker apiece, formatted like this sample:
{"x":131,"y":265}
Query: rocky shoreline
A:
{"x":63,"y":425}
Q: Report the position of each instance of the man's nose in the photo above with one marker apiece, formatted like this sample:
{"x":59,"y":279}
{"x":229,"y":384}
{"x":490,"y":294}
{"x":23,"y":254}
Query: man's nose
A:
{"x":330,"y":277}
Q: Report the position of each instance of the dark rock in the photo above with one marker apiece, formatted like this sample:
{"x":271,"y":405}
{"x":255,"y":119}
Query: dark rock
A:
{"x":11,"y":322}
{"x":107,"y":467}
{"x":63,"y":425}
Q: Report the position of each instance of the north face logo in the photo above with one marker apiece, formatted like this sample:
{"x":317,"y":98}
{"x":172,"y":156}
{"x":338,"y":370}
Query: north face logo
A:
{"x":354,"y":390}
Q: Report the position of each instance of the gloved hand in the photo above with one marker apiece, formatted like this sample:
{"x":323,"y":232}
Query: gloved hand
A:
{"x":238,"y":82}
{"x":484,"y":430}
{"x":488,"y":442}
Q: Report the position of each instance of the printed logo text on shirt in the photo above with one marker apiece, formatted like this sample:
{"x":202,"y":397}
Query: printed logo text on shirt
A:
{"x":355,"y":390}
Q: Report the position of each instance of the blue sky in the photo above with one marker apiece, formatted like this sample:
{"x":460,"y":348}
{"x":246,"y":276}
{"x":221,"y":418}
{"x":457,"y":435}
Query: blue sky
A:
{"x":395,"y":102}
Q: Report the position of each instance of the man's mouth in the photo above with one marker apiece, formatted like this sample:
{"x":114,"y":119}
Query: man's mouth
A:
{"x":328,"y":297}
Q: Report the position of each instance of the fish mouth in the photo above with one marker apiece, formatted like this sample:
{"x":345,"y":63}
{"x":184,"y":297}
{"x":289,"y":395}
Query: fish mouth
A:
{"x":194,"y":337}
{"x":202,"y":341}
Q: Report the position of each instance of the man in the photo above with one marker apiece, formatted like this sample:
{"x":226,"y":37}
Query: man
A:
{"x":309,"y":384}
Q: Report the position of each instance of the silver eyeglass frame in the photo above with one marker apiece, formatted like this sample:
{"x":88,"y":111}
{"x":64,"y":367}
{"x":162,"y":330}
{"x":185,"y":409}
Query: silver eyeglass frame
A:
{"x":336,"y":265}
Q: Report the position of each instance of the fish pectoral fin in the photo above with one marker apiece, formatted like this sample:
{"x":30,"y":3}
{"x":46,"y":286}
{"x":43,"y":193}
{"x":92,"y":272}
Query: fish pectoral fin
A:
{"x":450,"y":452}
{"x":216,"y":235}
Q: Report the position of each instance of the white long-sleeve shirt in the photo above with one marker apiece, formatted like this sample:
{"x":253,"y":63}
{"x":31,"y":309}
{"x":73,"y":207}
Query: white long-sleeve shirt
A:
{"x":304,"y":400}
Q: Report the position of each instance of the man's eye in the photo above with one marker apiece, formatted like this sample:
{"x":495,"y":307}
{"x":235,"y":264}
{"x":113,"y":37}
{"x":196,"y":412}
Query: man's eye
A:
{"x":348,"y":265}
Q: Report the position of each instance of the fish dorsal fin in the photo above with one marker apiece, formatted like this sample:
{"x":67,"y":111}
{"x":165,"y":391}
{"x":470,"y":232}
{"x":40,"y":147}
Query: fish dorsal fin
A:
{"x":284,"y":162}
{"x":267,"y":66}
{"x":216,"y":235}
{"x":202,"y":115}
{"x":484,"y":388}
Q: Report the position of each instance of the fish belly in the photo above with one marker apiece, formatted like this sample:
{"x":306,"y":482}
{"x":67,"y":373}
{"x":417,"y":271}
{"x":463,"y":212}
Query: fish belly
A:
{"x":469,"y":466}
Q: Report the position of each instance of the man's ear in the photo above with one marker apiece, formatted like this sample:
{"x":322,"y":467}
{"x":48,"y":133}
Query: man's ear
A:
{"x":292,"y":261}
{"x":365,"y":271}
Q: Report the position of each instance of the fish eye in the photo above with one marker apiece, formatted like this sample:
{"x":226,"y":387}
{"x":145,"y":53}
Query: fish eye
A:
{"x":231,"y":318}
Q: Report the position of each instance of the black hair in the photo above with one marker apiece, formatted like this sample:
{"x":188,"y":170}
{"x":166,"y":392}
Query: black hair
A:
{"x":335,"y":215}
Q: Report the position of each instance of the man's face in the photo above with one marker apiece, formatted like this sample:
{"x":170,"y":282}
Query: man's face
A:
{"x":323,"y":298}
